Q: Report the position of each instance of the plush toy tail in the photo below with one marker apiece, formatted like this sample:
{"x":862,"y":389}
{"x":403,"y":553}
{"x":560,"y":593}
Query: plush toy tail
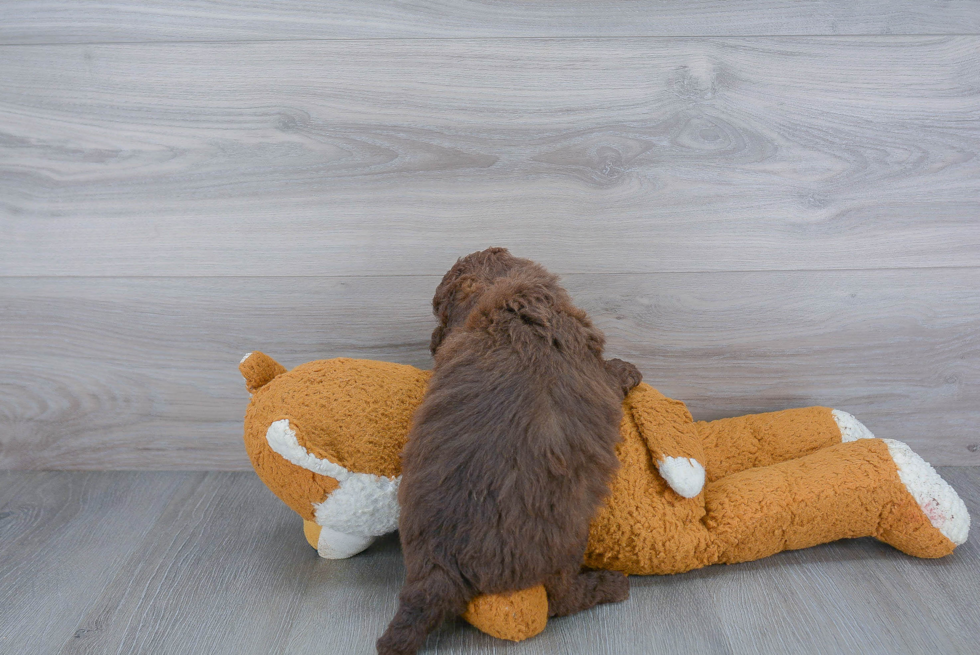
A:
{"x":259,"y":369}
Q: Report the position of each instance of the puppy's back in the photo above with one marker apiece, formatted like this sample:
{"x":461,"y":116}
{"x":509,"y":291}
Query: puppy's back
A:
{"x":513,"y":447}
{"x":509,"y":456}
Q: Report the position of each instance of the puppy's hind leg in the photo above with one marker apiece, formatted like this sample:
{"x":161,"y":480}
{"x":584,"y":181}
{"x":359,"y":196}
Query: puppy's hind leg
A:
{"x":423,"y":604}
{"x":569,"y":592}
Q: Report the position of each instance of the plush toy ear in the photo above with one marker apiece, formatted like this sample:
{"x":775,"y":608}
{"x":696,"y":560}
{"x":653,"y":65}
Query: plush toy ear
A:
{"x":259,"y":369}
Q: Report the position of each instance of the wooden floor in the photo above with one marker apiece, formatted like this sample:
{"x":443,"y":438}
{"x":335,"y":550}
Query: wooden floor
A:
{"x":180,"y":562}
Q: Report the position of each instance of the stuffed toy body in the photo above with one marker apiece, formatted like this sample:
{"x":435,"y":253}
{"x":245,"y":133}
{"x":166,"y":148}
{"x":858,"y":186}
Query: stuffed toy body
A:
{"x":326,"y":438}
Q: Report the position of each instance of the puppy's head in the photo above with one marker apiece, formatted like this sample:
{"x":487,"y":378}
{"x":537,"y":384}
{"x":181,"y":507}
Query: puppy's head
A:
{"x":462,"y":286}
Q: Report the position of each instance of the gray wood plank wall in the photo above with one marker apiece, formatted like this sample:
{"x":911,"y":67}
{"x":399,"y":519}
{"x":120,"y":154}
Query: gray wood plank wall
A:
{"x":764,"y":205}
{"x":87,"y":21}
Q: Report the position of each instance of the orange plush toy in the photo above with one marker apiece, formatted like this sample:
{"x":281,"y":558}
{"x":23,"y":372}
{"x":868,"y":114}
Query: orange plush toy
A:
{"x":326,"y":437}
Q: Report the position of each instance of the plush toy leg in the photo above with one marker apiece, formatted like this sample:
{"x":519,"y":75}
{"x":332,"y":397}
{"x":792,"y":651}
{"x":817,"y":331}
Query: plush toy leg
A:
{"x":331,"y":544}
{"x":945,"y":510}
{"x":515,"y":616}
{"x":852,"y":489}
{"x":312,"y":532}
{"x":736,"y":444}
{"x":522,"y":614}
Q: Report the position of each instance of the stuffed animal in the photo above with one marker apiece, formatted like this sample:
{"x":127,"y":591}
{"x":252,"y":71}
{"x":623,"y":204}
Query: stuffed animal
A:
{"x":326,"y":436}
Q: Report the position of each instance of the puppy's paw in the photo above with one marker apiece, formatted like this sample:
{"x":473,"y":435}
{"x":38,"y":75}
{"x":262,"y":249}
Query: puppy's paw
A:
{"x":612,"y":586}
{"x":625,"y":374}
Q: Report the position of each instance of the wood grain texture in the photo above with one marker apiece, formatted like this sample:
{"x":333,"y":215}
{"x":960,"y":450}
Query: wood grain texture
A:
{"x":221,"y":572}
{"x":142,"y":372}
{"x":224,"y":569}
{"x":67,"y":21}
{"x":391,"y":157}
{"x":62,"y":536}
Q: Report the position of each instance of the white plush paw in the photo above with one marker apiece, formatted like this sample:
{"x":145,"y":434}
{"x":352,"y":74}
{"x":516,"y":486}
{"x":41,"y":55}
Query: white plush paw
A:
{"x":684,"y":475}
{"x":945,"y":509}
{"x":851,"y":429}
{"x":337,"y":545}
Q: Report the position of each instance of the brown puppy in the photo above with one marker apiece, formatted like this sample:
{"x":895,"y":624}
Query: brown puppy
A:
{"x":511,"y":451}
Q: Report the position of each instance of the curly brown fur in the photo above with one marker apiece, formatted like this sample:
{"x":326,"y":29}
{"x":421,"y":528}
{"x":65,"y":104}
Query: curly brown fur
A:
{"x":511,"y":451}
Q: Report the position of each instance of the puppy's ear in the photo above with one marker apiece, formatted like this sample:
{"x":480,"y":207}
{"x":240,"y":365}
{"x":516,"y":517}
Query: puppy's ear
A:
{"x":515,"y":303}
{"x":449,"y":305}
{"x":454,"y":292}
{"x":531,"y":313}
{"x":594,"y":339}
{"x":466,"y":287}
{"x":437,"y":337}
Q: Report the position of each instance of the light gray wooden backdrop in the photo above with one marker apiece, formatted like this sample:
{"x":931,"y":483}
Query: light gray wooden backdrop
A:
{"x":763,"y":204}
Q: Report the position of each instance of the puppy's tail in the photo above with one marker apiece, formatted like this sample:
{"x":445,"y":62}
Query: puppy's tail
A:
{"x":422,"y":606}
